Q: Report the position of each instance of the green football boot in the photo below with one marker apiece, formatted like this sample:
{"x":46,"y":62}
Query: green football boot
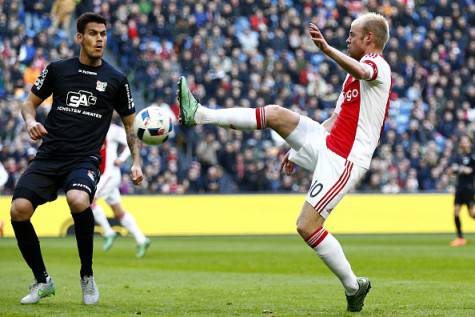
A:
{"x":188,"y":103}
{"x":142,"y":248}
{"x":109,"y":241}
{"x":356,"y":301}
{"x":39,"y":291}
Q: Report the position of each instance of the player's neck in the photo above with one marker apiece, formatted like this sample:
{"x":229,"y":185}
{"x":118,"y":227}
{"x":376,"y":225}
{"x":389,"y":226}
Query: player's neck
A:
{"x":86,"y":60}
{"x":373,"y":50}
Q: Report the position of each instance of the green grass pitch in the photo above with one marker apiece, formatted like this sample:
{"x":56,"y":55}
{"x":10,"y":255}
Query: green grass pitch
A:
{"x":412,"y":275}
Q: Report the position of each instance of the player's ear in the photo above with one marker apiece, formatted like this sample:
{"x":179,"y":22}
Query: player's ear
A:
{"x":78,"y":38}
{"x":369,"y":37}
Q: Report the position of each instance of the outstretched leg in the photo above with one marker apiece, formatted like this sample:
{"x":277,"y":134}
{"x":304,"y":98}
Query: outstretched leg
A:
{"x":275,"y":117}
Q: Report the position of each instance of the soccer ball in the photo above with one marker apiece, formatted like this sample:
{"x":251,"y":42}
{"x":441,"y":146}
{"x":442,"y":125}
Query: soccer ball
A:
{"x":153,"y":125}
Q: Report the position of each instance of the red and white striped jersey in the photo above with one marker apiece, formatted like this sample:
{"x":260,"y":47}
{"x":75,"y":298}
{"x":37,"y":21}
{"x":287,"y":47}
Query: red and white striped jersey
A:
{"x":115,"y":136}
{"x":362,"y":108}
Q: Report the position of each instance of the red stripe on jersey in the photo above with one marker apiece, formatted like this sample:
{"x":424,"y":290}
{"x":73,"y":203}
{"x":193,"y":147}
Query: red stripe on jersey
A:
{"x":338,"y":189}
{"x":102,"y":167}
{"x":343,"y":133}
{"x":374,"y":67}
{"x":258,"y":118}
{"x":335,"y":189}
{"x":334,"y":185}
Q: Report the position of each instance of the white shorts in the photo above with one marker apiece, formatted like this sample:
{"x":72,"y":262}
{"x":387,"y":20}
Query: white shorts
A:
{"x":333,"y":176}
{"x":108,"y":188}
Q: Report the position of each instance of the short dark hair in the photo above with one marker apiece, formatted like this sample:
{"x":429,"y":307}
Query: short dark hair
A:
{"x":86,"y":18}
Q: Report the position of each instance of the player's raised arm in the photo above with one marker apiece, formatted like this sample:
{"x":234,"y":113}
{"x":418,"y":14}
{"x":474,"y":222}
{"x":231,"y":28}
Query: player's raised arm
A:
{"x":134,"y":146}
{"x":368,"y":34}
{"x":28,"y":111}
{"x":352,"y":66}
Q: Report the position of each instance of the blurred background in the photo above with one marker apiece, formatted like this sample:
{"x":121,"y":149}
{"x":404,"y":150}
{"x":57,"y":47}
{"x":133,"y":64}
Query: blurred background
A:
{"x":249,"y":53}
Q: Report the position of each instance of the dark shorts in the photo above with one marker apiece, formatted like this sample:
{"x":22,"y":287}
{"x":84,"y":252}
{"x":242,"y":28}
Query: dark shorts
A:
{"x":464,"y":196}
{"x":42,"y":180}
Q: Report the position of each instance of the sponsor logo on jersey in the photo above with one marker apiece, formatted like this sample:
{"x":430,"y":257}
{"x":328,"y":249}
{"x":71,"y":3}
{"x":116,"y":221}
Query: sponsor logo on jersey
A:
{"x":350,"y":94}
{"x":86,"y":72}
{"x":129,"y":97}
{"x":81,"y":98}
{"x":41,"y":79}
{"x":101,"y":86}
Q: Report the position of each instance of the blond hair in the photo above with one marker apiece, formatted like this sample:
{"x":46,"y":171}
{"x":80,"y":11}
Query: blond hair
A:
{"x":376,"y":24}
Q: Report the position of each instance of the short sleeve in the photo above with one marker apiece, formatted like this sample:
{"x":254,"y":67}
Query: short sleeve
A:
{"x":43,"y":86}
{"x":124,"y":104}
{"x":373,"y":62}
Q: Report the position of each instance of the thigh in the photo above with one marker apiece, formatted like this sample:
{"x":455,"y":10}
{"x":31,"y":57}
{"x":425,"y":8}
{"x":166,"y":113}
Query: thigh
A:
{"x":38,"y":184}
{"x":83,"y":176}
{"x":469,"y":198}
{"x":308,"y":139}
{"x":332,"y":179}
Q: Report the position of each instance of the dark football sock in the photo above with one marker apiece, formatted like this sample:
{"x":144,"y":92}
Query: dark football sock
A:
{"x":458,"y":226}
{"x":84,"y":229}
{"x":29,"y":246}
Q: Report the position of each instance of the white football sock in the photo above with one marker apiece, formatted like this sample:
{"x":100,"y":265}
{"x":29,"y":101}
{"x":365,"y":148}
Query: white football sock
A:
{"x":236,"y":118}
{"x":329,"y":250}
{"x":101,"y":220}
{"x":128,"y":222}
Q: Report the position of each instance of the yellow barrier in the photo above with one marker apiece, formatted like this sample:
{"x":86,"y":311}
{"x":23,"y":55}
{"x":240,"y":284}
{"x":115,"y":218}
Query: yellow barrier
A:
{"x":261,"y":214}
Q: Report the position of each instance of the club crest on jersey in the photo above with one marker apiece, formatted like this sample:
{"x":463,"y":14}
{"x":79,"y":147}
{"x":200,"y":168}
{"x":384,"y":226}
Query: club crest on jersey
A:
{"x":101,"y":86}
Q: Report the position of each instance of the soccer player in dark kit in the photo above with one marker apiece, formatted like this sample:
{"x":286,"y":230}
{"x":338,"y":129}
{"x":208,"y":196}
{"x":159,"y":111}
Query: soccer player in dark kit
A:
{"x":464,"y":168}
{"x":86,"y":90}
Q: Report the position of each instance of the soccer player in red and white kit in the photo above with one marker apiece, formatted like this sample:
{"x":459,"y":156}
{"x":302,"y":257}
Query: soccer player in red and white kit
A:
{"x":338,"y":151}
{"x":108,"y":189}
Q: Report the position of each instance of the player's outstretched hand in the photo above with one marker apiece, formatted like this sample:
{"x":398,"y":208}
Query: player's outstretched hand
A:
{"x":317,"y":37}
{"x":136,"y":173}
{"x":36,"y":130}
{"x":287,"y":165}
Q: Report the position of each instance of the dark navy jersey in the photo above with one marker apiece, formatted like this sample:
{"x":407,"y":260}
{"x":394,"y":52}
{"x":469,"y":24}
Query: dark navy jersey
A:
{"x":84,"y":98}
{"x":465,"y":181}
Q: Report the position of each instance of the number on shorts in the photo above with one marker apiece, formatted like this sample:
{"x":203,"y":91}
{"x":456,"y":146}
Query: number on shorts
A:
{"x":315,"y":189}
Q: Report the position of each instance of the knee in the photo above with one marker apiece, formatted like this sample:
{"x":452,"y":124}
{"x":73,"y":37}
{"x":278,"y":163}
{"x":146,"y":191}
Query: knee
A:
{"x":304,"y":228}
{"x":274,"y":113}
{"x":77,"y":200}
{"x":21,"y":210}
{"x":456,"y":212}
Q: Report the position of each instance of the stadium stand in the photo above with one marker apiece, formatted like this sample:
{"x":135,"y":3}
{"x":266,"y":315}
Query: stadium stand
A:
{"x":250,"y":53}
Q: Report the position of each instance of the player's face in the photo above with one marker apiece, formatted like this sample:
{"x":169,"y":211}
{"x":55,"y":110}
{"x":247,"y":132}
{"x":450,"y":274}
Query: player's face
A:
{"x":94,"y":40}
{"x":355,"y":41}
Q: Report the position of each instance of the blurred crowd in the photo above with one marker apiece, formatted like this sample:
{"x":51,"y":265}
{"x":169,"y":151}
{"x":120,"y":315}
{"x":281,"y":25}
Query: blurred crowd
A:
{"x":249,"y":53}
